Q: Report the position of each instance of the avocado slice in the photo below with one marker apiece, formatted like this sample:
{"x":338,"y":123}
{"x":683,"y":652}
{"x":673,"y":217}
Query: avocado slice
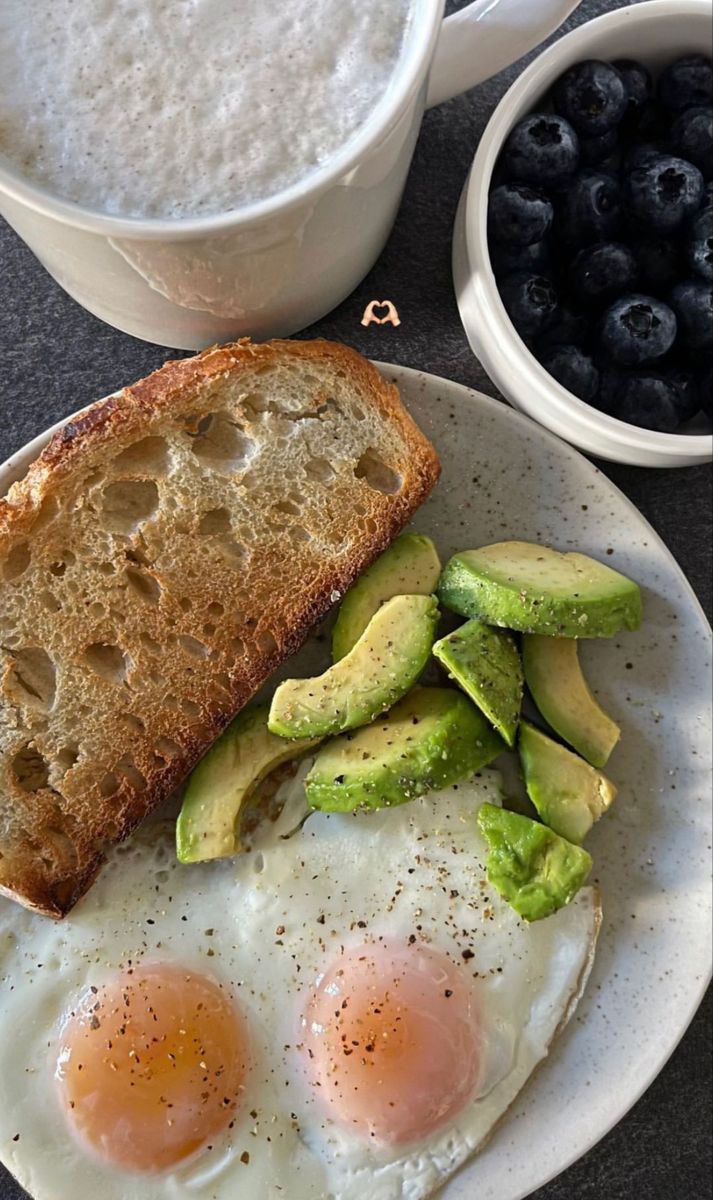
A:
{"x":208,"y":824}
{"x":409,"y":567}
{"x":554,"y":676}
{"x":431,"y":739}
{"x":382,"y":666}
{"x":568,"y":794}
{"x":531,"y":867}
{"x":534,"y":589}
{"x":486,"y":664}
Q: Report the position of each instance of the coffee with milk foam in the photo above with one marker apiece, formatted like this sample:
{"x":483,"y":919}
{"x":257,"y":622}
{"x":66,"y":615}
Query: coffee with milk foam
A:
{"x":175,"y":108}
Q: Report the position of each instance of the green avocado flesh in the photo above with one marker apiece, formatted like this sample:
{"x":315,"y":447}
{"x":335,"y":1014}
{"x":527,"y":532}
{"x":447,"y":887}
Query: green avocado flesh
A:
{"x":486,"y":664}
{"x":531,"y":867}
{"x":567,"y":792}
{"x":208,"y":824}
{"x":531,"y":588}
{"x":554,"y":676}
{"x":383,"y":665}
{"x":409,"y":567}
{"x":432,"y":739}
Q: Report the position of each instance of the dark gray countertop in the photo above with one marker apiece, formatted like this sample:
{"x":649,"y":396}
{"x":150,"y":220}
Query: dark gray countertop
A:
{"x":56,"y":357}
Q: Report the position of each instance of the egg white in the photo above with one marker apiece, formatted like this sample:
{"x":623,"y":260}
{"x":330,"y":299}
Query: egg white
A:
{"x":267,"y":924}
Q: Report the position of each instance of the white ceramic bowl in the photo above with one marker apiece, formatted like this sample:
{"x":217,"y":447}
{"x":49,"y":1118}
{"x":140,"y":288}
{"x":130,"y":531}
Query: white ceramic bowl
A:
{"x":655,"y":33}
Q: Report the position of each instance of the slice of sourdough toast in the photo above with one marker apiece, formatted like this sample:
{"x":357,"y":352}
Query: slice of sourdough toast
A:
{"x":168,"y":549}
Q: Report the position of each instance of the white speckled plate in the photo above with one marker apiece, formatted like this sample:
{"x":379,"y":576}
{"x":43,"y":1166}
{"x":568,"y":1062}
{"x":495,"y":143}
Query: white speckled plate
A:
{"x":505,"y":477}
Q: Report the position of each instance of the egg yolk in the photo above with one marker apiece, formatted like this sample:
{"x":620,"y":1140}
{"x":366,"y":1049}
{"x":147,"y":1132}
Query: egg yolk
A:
{"x":151,"y":1066}
{"x":393,"y":1041}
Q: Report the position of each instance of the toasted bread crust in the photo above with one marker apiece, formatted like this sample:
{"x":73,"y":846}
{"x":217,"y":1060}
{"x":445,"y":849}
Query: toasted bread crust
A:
{"x":54,"y":829}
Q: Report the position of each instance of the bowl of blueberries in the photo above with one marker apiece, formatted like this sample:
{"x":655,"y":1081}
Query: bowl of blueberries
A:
{"x":583,"y":250}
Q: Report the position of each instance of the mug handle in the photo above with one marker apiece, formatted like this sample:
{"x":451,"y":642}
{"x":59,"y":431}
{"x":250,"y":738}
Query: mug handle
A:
{"x":486,"y":36}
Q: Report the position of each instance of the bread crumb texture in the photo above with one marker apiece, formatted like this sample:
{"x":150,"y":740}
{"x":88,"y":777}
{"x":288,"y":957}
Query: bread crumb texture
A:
{"x":168,"y":549}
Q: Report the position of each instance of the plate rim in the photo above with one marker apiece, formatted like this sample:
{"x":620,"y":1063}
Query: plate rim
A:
{"x":397,"y":372}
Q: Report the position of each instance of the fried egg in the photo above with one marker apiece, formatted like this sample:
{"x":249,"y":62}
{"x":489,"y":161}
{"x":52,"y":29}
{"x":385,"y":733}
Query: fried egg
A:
{"x":346,"y":1009}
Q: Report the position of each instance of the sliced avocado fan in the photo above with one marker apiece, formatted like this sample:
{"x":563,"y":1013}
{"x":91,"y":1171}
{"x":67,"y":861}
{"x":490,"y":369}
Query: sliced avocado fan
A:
{"x":486,"y":664}
{"x":567,"y":792}
{"x":409,"y":567}
{"x":243,"y":755}
{"x":433,"y":738}
{"x":534,"y":589}
{"x":383,"y":665}
{"x":554,"y":676}
{"x":531,"y":867}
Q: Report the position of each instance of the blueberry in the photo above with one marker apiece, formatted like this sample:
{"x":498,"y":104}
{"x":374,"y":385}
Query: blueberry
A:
{"x":600,"y":148}
{"x":590,"y":210}
{"x":592,"y":96}
{"x":660,"y":262}
{"x":661,"y":195}
{"x":568,"y":328}
{"x":542,"y":149}
{"x":692,"y":302}
{"x":700,"y":244}
{"x":685,"y":383}
{"x":530,"y":301}
{"x":571,"y":367}
{"x":518,"y":215}
{"x":648,"y":400}
{"x":692,"y":138}
{"x":506,"y":260}
{"x":603,"y":271}
{"x":637,"y":84}
{"x":686,"y":82}
{"x":637,"y":329}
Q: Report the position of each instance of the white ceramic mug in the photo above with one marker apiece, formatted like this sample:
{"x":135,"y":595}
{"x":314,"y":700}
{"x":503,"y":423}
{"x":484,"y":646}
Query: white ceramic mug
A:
{"x":275,"y":266}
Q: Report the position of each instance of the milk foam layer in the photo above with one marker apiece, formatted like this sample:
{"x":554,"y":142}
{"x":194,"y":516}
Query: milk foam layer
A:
{"x":171,"y":108}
